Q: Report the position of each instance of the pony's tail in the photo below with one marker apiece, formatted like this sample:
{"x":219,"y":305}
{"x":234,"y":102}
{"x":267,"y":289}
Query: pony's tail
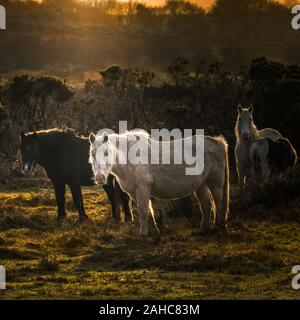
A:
{"x":226,"y":188}
{"x":295,"y":156}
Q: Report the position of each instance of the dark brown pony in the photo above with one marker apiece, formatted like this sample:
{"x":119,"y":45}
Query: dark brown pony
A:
{"x":282,"y":154}
{"x":64,"y":156}
{"x":272,"y":157}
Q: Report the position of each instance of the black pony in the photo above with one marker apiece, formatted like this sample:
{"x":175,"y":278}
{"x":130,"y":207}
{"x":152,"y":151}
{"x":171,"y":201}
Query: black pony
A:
{"x":64,"y":157}
{"x":282,"y":154}
{"x":272,"y":157}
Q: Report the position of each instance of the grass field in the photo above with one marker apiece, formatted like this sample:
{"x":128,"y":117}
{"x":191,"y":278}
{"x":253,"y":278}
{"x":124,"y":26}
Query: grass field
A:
{"x":102,"y":260}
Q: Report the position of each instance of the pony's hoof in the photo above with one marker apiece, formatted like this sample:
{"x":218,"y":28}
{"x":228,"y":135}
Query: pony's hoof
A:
{"x":61,"y":219}
{"x":222,"y":229}
{"x":156,"y":237}
{"x":156,"y":241}
{"x":207,"y":230}
{"x":143,"y":235}
{"x":204,"y":231}
{"x":84,"y":219}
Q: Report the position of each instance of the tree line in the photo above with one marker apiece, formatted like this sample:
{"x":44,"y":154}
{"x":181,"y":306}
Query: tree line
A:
{"x":191,"y":96}
{"x":55,"y":34}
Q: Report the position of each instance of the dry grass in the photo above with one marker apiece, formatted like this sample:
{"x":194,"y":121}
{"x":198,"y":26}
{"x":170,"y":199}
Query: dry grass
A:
{"x":102,"y":260}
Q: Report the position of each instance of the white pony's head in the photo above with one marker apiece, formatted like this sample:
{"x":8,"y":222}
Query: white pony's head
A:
{"x":101,"y":156}
{"x":244,"y":123}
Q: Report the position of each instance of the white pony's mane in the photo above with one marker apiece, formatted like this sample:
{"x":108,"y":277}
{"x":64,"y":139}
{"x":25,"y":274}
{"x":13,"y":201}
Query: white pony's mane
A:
{"x":137,"y":133}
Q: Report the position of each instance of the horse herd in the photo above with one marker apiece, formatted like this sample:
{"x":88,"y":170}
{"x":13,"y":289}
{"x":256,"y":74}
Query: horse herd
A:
{"x":72,"y":160}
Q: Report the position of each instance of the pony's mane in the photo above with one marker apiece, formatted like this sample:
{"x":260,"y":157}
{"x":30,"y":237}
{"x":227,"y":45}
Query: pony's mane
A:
{"x":222,"y":139}
{"x":133,"y":133}
{"x":139,"y":133}
{"x":55,"y":131}
{"x":55,"y":136}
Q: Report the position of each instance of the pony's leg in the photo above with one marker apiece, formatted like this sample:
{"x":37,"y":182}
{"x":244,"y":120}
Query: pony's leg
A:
{"x":115,"y":208}
{"x":125,"y":201}
{"x":217,"y":193}
{"x":117,"y":199}
{"x":265,"y":171}
{"x":143,"y":206}
{"x":253,"y":175}
{"x":216,"y":186}
{"x":203,"y":196}
{"x":154,"y":228}
{"x":242,"y":173}
{"x":78,"y":200}
{"x":60,"y":191}
{"x":143,"y":203}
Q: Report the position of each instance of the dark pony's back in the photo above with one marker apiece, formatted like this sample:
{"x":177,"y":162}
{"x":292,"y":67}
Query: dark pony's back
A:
{"x":65,"y":154}
{"x":281,"y":155}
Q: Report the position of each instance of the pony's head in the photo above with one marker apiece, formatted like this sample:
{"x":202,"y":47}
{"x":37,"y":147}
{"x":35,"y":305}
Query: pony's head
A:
{"x":29,"y":148}
{"x":101,"y":156}
{"x":244,"y":124}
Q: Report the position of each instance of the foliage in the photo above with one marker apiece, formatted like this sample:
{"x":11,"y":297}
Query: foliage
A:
{"x":190,"y":96}
{"x":129,"y":33}
{"x":35,"y":102}
{"x":278,"y":191}
{"x":275,"y":94}
{"x":5,"y":131}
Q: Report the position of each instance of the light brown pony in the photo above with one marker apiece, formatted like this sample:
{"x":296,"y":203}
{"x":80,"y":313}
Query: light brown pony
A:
{"x":246,"y":134}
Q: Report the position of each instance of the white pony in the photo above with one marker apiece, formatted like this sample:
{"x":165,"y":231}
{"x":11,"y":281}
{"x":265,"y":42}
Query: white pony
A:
{"x":166,"y":181}
{"x":246,"y":134}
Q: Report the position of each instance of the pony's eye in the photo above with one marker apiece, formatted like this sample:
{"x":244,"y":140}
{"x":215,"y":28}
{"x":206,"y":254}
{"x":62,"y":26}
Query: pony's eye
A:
{"x":106,"y":153}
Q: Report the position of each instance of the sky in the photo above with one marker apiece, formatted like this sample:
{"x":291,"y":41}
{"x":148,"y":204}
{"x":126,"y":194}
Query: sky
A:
{"x":203,"y":3}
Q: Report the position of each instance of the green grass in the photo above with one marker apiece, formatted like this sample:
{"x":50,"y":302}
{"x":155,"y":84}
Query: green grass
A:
{"x":98,"y":260}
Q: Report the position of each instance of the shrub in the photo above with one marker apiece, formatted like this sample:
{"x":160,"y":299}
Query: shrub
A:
{"x":276,"y":192}
{"x":48,"y":264}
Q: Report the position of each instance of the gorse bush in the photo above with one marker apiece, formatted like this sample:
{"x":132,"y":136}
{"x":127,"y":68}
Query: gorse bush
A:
{"x":5,"y":131}
{"x":49,"y":264}
{"x":190,"y":96}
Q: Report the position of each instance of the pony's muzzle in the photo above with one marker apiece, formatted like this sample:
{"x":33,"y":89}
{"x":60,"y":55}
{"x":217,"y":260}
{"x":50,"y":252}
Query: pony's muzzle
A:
{"x":246,"y":135}
{"x":100,"y":179}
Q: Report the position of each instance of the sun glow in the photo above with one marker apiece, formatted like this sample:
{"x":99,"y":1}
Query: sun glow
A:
{"x":203,"y":3}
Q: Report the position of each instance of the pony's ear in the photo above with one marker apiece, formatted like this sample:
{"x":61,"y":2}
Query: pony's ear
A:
{"x":240,"y":108}
{"x":92,"y":137}
{"x":251,"y":108}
